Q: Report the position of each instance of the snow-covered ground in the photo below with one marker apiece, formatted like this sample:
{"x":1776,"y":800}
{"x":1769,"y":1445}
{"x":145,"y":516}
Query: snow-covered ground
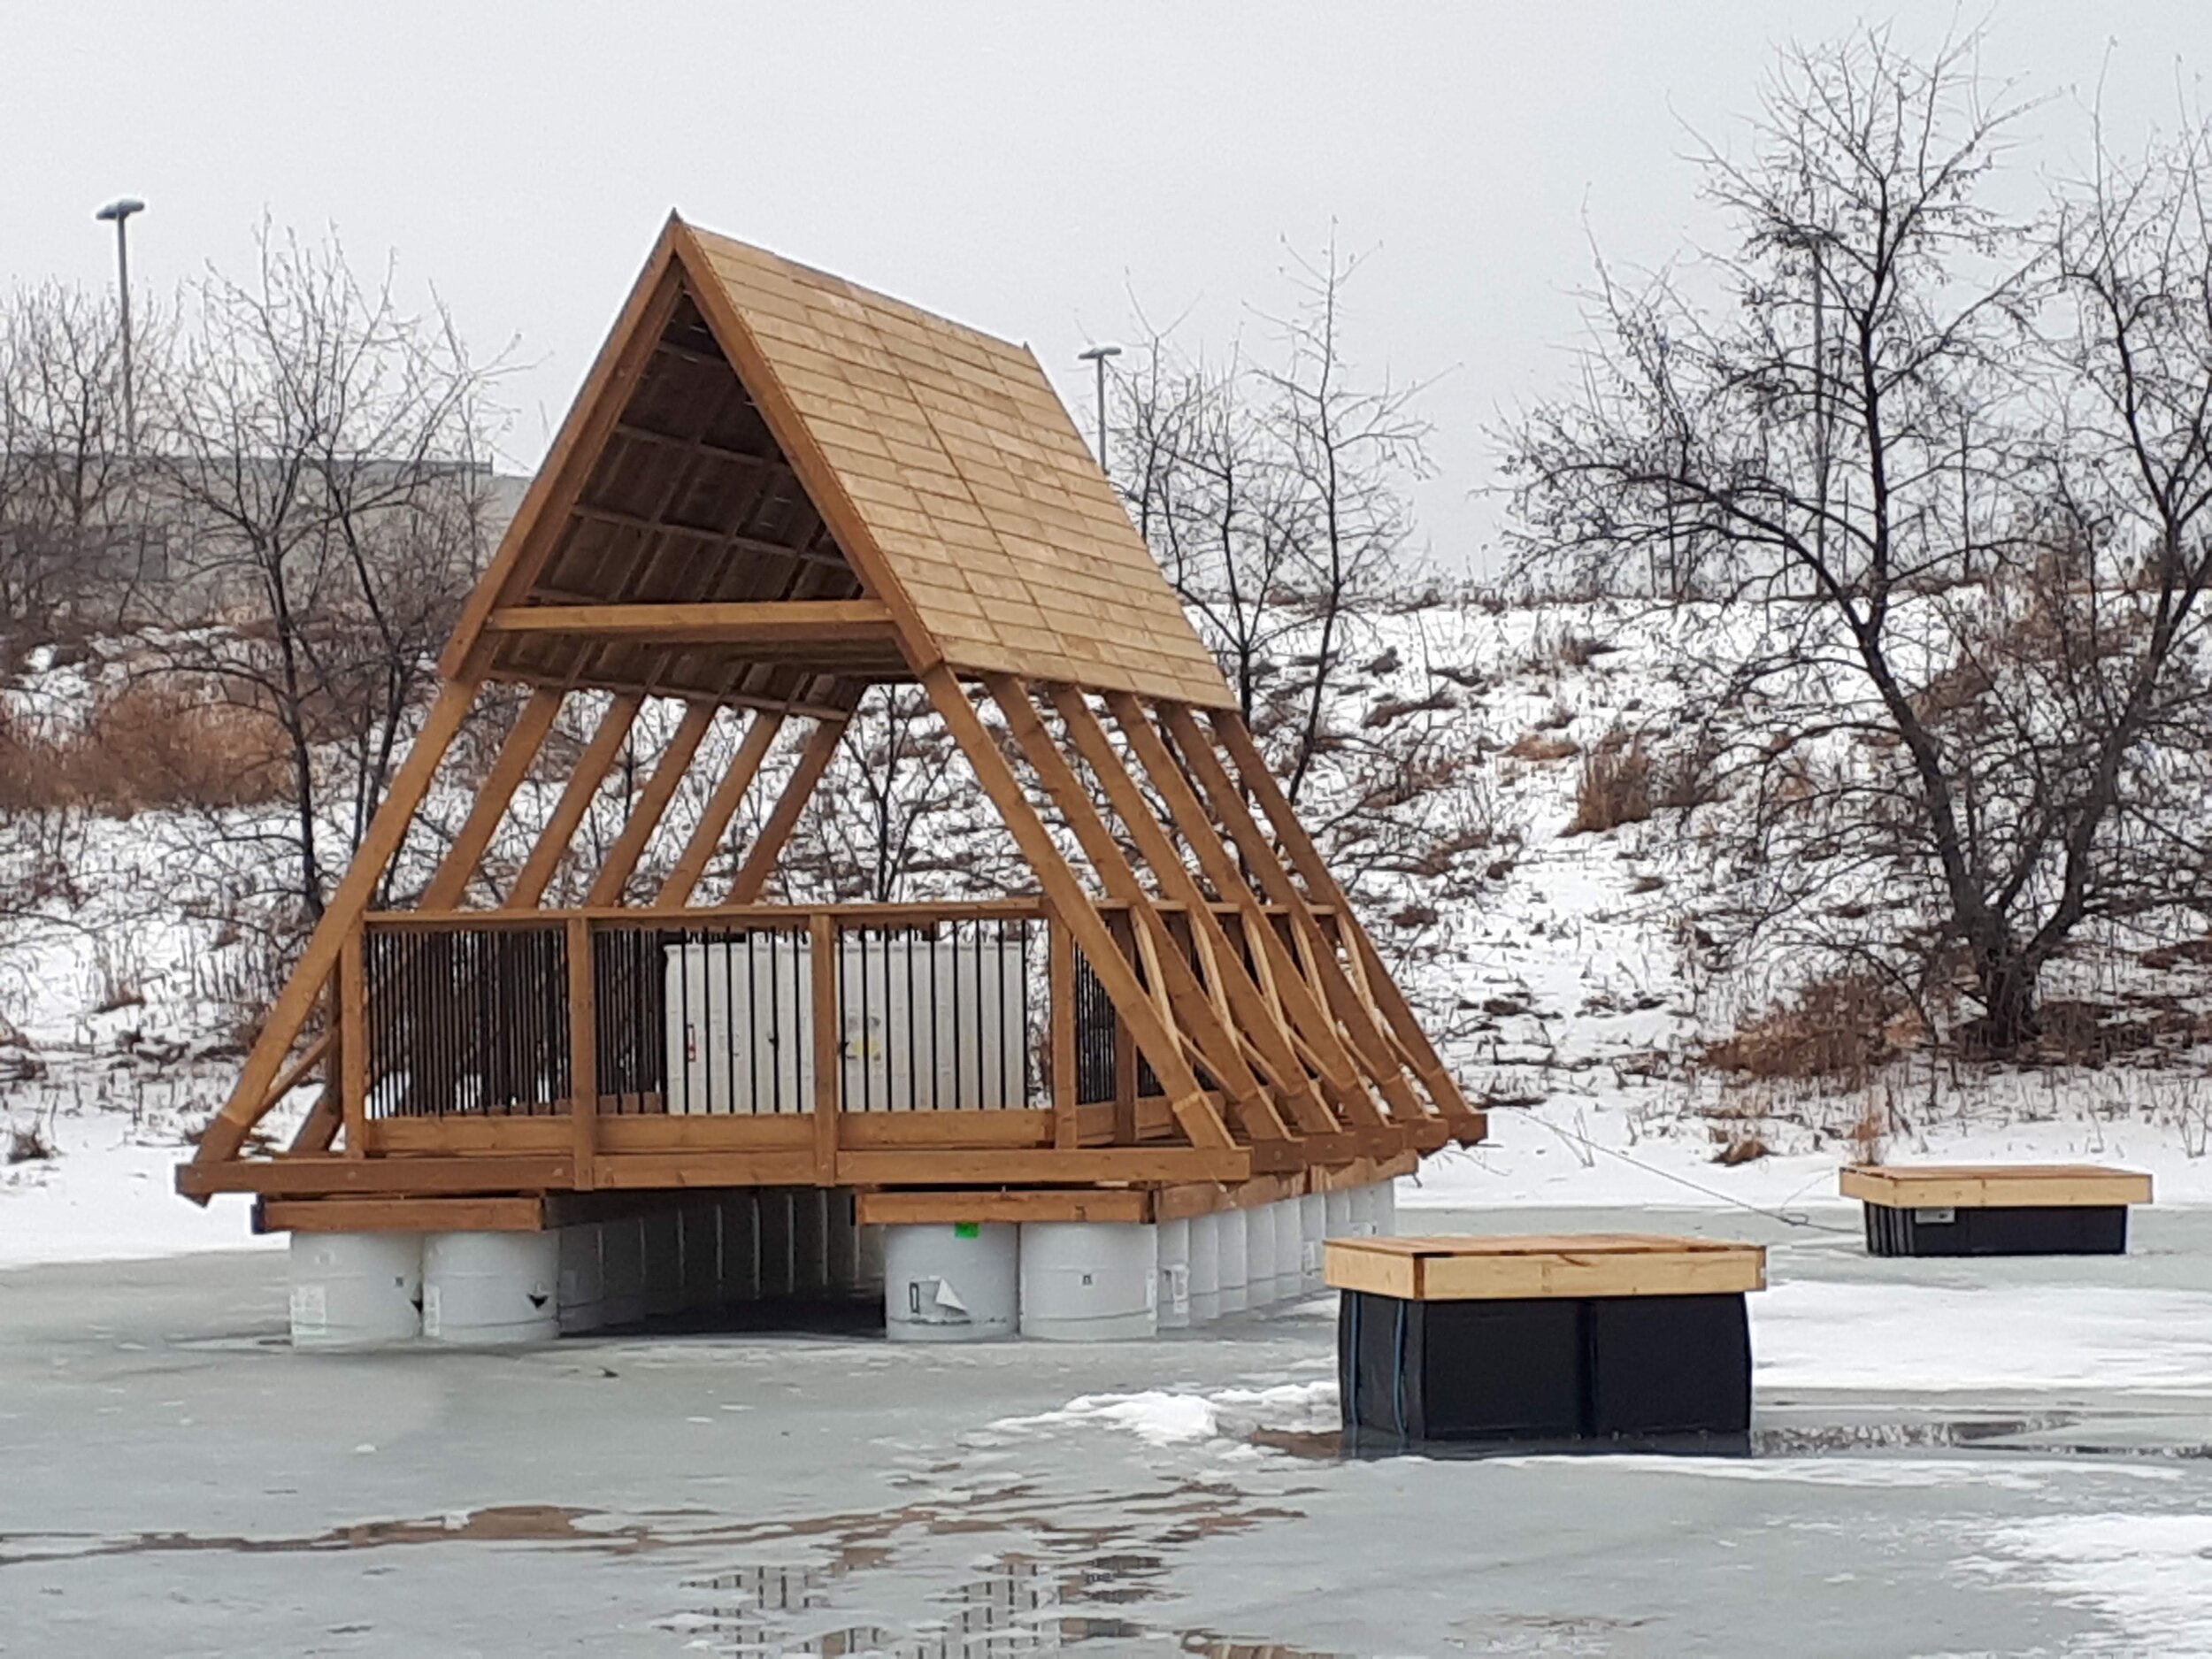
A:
{"x":1552,"y":965}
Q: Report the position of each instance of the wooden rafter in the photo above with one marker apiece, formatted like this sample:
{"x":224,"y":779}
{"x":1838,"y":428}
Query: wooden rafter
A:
{"x":582,"y":787}
{"x":512,"y":763}
{"x":760,"y":858}
{"x":714,"y":817}
{"x":650,"y":806}
{"x":1214,"y":1038}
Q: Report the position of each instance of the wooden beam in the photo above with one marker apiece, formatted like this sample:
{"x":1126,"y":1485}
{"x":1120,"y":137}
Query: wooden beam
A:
{"x":951,"y":1206}
{"x":1253,"y":1011}
{"x":760,"y":858}
{"x":249,"y":1098}
{"x":353,"y":1045}
{"x":1312,"y":1023}
{"x":1197,"y":1116}
{"x":583,"y":784}
{"x":1350,"y":1010}
{"x":520,"y":748}
{"x":1172,"y":971}
{"x":729,"y":793}
{"x":399,"y":1214}
{"x":860,"y":625}
{"x":992,"y":1167}
{"x":327,"y":1176}
{"x":650,"y":805}
{"x":1322,"y":883}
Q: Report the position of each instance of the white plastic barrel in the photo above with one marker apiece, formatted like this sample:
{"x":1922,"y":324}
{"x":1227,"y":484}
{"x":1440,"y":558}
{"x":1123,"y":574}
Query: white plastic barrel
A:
{"x":582,"y":1299}
{"x":868,"y":1280}
{"x":700,"y":1227}
{"x":1260,"y":1289}
{"x":1232,"y":1274}
{"x":741,"y":1247}
{"x":776,"y":1278}
{"x":944,"y":1282}
{"x":355,"y":1289}
{"x":1313,"y":1230}
{"x":1175,"y":1275}
{"x":1290,"y":1250}
{"x":1339,"y":1204}
{"x":1205,"y":1268}
{"x":1089,"y":1281}
{"x":489,"y":1289}
{"x":664,"y":1263}
{"x":622,"y":1270}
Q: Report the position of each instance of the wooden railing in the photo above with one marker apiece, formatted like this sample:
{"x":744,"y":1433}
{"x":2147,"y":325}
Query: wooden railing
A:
{"x":693,"y":1034}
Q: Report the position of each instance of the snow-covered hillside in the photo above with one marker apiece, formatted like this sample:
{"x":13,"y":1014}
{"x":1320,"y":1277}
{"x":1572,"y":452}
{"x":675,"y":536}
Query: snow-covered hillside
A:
{"x":1562,"y":969}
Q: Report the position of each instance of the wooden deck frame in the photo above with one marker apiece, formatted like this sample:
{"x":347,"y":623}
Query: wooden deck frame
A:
{"x":714,"y":526}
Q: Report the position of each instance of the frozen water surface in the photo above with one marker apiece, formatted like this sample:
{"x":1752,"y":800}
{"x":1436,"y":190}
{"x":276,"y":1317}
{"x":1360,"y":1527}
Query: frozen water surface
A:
{"x":2010,"y":1457}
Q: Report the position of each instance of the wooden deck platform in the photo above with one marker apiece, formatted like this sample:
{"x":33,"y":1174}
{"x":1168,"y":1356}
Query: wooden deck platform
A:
{"x":1461,"y":1268}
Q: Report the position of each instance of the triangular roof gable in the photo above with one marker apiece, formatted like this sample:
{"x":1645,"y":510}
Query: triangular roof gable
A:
{"x":935,"y":470}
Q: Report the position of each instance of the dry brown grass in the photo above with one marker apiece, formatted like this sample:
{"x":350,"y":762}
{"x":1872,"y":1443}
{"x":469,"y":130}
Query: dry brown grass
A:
{"x":1847,"y":1025}
{"x":1615,"y":786}
{"x":1537,"y":746}
{"x":147,"y":748}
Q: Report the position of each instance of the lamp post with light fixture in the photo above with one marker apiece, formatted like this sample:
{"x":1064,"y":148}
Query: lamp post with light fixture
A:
{"x":1097,"y":355}
{"x":119,"y":211}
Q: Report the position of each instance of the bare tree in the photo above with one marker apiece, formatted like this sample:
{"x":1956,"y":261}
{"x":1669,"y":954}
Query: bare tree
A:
{"x":1857,"y":438}
{"x":74,"y":527}
{"x":328,"y":454}
{"x":1272,"y":492}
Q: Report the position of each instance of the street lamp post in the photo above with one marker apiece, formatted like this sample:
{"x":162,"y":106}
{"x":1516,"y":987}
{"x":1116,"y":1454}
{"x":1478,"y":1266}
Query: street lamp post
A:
{"x":1097,"y":356}
{"x":120,"y":211}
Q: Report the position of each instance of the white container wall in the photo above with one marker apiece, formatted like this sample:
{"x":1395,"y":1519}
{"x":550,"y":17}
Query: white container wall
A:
{"x":1205,"y":1268}
{"x":1231,"y":1273}
{"x":1339,"y":1209}
{"x":1088,"y":1281}
{"x":664,"y":1264}
{"x":1260,"y":1290}
{"x":741,"y":1247}
{"x":622,"y":1270}
{"x":1175,"y":1275}
{"x":491,"y":1290}
{"x":582,"y":1299}
{"x":1363,"y":1213}
{"x":946,"y":1283}
{"x":741,"y":1023}
{"x":1313,"y":1230}
{"x":355,"y":1289}
{"x":1385,"y":1209}
{"x":1290,"y":1280}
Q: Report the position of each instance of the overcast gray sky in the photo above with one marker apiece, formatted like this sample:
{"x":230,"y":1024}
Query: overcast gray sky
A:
{"x":1021,"y":167}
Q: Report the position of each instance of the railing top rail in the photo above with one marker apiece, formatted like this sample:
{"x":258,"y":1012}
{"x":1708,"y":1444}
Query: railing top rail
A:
{"x":788,"y":917}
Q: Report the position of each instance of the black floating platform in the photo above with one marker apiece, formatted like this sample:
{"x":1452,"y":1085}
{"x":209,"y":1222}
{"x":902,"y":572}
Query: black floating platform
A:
{"x":1995,"y":1210}
{"x":1552,"y":1341}
{"x":2008,"y":1230}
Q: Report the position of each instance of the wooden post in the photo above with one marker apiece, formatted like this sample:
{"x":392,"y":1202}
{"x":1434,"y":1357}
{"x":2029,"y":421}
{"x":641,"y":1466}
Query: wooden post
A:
{"x":353,"y":1044}
{"x":1066,"y":1127}
{"x":829,"y":1043}
{"x":583,"y":1050}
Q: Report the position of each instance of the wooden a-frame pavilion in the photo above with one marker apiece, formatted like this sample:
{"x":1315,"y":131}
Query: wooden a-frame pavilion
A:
{"x":774,"y":490}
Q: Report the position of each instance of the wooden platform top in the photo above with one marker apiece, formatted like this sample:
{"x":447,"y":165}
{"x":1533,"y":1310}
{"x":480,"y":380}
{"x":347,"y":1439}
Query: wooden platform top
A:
{"x":1993,"y":1185}
{"x":1469,"y":1268}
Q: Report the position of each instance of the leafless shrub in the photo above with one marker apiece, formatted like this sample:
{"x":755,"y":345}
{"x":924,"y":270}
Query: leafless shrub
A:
{"x":1538,"y":747}
{"x":1616,"y":788}
{"x":1847,"y":1027}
